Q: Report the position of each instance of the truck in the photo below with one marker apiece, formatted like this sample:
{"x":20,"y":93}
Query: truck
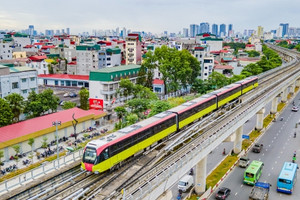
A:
{"x":260,"y":191}
{"x":257,"y":148}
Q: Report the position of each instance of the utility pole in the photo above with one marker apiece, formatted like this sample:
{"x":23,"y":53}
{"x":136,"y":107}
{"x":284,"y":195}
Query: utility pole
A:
{"x":57,"y":149}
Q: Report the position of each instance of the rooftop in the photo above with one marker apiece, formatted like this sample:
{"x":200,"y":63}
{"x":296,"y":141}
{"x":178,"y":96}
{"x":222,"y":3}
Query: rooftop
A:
{"x":116,"y":69}
{"x":64,"y":76}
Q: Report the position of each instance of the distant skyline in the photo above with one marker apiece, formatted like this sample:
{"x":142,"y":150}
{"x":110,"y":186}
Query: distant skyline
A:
{"x":154,"y":16}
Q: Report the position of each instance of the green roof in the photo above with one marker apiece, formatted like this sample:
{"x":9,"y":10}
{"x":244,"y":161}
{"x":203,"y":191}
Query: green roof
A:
{"x":20,"y":35}
{"x":8,"y":64}
{"x":113,"y":50}
{"x":21,"y":69}
{"x":87,"y":47}
{"x":2,"y":66}
{"x":150,"y":47}
{"x":7,"y":39}
{"x":53,"y":55}
{"x":211,"y":39}
{"x":114,"y":73}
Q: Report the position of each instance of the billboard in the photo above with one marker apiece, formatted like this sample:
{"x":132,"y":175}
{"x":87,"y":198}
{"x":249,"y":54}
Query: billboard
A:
{"x":96,"y":104}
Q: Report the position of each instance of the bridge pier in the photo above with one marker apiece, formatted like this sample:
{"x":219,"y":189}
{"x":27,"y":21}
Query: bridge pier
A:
{"x":237,"y":147}
{"x":260,"y":119}
{"x":200,"y":177}
{"x":297,"y":83}
{"x":284,"y":95}
{"x":274,"y":105}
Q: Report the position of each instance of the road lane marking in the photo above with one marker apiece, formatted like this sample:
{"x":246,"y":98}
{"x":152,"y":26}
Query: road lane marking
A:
{"x":281,"y":152}
{"x":272,"y":141}
{"x":235,"y":193}
{"x":275,"y":162}
{"x":278,"y":157}
{"x":274,"y":138}
{"x":263,"y":154}
{"x":269,"y":174}
{"x":272,"y":168}
{"x":242,"y":185}
{"x":269,"y":145}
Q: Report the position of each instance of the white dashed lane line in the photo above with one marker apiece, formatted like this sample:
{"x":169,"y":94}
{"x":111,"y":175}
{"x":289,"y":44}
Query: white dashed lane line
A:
{"x":235,"y":193}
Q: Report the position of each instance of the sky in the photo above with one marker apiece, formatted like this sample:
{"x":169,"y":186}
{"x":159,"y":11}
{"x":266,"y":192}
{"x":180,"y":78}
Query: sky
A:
{"x":153,"y":16}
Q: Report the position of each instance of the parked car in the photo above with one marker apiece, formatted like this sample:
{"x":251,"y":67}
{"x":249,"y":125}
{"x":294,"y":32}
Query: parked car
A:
{"x":72,"y":94}
{"x":66,"y":94}
{"x":61,"y":103}
{"x":257,"y":148}
{"x":244,"y":161}
{"x":185,"y":183}
{"x":295,"y":108}
{"x":223,"y":193}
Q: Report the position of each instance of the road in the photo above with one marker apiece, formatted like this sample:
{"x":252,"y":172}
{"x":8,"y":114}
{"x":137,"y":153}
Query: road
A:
{"x":279,"y":145}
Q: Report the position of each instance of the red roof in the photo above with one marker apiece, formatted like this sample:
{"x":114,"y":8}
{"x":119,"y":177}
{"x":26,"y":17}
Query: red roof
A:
{"x":215,"y":52}
{"x":206,"y":35}
{"x":250,"y":45}
{"x":216,"y":62}
{"x":40,"y":123}
{"x":28,"y":46}
{"x":226,"y":47}
{"x":72,"y":42}
{"x":37,"y":58}
{"x":224,"y":51}
{"x":104,"y":42}
{"x":38,"y":43}
{"x":157,"y":82}
{"x":223,"y":67}
{"x":64,"y":76}
{"x":200,"y":48}
{"x":48,"y":47}
{"x":72,"y":63}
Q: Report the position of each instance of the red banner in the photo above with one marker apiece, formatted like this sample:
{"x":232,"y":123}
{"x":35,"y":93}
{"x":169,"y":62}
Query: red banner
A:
{"x":96,"y":104}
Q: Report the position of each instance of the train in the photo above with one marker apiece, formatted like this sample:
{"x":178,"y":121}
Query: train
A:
{"x":108,"y":152}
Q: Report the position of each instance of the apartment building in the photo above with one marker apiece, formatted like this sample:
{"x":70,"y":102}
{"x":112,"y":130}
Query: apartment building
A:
{"x":133,"y":52}
{"x":38,"y":63}
{"x":109,"y":57}
{"x":20,"y":80}
{"x":21,"y":40}
{"x":6,"y":51}
{"x":206,"y":61}
{"x":86,"y":58}
{"x":105,"y":82}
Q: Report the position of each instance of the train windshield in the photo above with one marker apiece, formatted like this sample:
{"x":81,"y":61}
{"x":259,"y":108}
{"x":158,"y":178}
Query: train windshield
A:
{"x":90,"y":155}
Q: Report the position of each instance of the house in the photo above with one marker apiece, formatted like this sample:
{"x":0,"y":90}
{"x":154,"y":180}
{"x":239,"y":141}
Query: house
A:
{"x":133,"y":50}
{"x":63,"y":80}
{"x":39,"y":63}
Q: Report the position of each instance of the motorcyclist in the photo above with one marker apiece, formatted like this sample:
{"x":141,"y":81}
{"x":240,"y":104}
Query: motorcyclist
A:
{"x":295,"y":134}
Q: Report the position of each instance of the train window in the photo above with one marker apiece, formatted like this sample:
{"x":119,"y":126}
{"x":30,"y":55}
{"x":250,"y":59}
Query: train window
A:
{"x":90,"y":155}
{"x":105,"y":154}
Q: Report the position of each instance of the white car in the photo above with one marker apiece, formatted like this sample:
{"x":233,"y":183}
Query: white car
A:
{"x":295,"y":108}
{"x":66,"y":94}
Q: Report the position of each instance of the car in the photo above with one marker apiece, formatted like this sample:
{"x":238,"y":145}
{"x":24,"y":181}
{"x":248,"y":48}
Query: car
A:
{"x":257,"y":148}
{"x":244,"y":161}
{"x":295,"y":108}
{"x":66,"y":94}
{"x":72,"y":94}
{"x":61,"y":103}
{"x":223,"y":193}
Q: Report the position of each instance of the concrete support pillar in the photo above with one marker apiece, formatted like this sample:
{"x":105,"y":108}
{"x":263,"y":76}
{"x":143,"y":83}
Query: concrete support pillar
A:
{"x":260,"y":119}
{"x":274,"y":105}
{"x":284,"y":95}
{"x":200,"y":178}
{"x":298,"y":83}
{"x":237,"y":147}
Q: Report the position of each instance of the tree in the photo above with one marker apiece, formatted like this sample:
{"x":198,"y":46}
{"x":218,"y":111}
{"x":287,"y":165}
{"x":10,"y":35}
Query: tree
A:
{"x":44,"y":143}
{"x":131,"y":119}
{"x":16,"y":147}
{"x":33,"y":106}
{"x":121,"y":112}
{"x":30,"y":143}
{"x":138,"y":105}
{"x":126,"y":87}
{"x":142,"y":92}
{"x":217,"y":80}
{"x":251,"y":69}
{"x":1,"y":156}
{"x":68,"y":105}
{"x":48,"y":100}
{"x":158,"y":107}
{"x":7,"y":115}
{"x":236,"y":78}
{"x":253,"y":53}
{"x":84,"y":96}
{"x":16,"y":103}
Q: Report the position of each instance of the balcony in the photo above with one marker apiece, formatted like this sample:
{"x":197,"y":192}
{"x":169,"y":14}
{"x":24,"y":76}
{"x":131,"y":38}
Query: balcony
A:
{"x":108,"y":92}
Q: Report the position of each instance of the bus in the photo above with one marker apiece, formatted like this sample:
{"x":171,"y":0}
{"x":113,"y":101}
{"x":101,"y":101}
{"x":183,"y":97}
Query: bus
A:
{"x":253,"y":172}
{"x":287,"y":177}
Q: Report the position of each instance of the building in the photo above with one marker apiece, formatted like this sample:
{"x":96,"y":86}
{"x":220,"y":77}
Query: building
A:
{"x":21,"y":40}
{"x":109,"y":57}
{"x":20,"y":80}
{"x":68,"y":31}
{"x":204,"y":27}
{"x":38,"y":63}
{"x":86,"y":58}
{"x":285,"y":29}
{"x":222,"y":30}
{"x":194,"y":30}
{"x":214,"y":29}
{"x":206,"y":61}
{"x":230,"y":30}
{"x":185,"y":32}
{"x":105,"y":82}
{"x":260,"y":31}
{"x":6,"y":51}
{"x":40,"y":127}
{"x":31,"y":30}
{"x":63,"y":80}
{"x":133,"y":52}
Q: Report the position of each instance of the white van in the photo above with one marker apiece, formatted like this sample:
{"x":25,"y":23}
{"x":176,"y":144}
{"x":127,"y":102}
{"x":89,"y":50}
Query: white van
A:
{"x":185,"y":183}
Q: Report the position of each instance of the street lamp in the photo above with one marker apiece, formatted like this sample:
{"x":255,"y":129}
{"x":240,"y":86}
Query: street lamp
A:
{"x":55,"y":124}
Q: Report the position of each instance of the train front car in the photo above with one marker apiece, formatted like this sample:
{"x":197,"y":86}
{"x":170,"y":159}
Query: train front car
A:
{"x":108,"y":152}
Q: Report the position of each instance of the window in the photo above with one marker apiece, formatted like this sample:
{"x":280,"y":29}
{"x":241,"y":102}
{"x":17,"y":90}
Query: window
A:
{"x":32,"y":78}
{"x":62,"y":83}
{"x":23,"y":80}
{"x":107,"y":58}
{"x":74,"y":83}
{"x":15,"y":85}
{"x":56,"y":82}
{"x":24,"y":91}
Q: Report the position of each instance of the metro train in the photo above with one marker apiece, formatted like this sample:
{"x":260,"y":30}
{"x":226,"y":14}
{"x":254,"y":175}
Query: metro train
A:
{"x":110,"y":151}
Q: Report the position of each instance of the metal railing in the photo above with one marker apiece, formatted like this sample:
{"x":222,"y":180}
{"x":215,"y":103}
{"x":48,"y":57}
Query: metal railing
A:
{"x":31,"y":175}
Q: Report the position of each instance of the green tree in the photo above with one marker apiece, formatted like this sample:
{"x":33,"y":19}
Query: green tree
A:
{"x":44,"y":143}
{"x":158,"y":107}
{"x":1,"y":156}
{"x":142,"y":92}
{"x":7,"y":115}
{"x":251,"y":69}
{"x":126,"y":87}
{"x":16,"y":147}
{"x":218,"y":80}
{"x":198,"y":86}
{"x":16,"y":103}
{"x":33,"y":106}
{"x":253,"y":53}
{"x":48,"y":100}
{"x":121,"y":112}
{"x":138,"y":105}
{"x":236,"y":78}
{"x":84,"y":97}
{"x":131,"y":119}
{"x":30,"y":143}
{"x":68,"y":105}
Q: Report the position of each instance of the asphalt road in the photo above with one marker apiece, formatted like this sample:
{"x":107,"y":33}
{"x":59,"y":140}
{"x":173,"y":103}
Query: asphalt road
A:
{"x":279,"y":145}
